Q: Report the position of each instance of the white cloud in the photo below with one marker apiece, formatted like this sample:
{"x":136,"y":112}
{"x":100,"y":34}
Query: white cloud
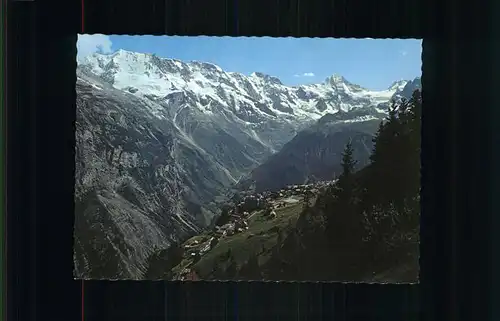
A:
{"x":306,"y":74}
{"x":88,"y":44}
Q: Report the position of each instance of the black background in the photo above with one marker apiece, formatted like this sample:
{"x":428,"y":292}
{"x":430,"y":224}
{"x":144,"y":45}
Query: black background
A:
{"x":457,"y":177}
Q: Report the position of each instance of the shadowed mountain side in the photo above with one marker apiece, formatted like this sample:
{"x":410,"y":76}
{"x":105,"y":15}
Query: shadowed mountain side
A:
{"x":313,"y":155}
{"x":159,"y":143}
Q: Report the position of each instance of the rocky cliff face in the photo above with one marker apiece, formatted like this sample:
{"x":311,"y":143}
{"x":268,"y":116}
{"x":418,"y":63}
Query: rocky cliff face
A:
{"x":159,"y":142}
{"x":130,"y":187}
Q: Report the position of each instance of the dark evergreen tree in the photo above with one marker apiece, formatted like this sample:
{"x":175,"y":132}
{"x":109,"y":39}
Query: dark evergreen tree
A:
{"x":348,"y":162}
{"x":343,"y":221}
{"x":369,"y":219}
{"x":375,"y":154}
{"x":345,"y":185}
{"x":392,"y":194}
{"x":388,"y":158}
{"x":414,"y":142}
{"x":224,"y":217}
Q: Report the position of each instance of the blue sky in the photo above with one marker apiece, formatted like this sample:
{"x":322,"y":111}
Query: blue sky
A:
{"x":371,"y":63}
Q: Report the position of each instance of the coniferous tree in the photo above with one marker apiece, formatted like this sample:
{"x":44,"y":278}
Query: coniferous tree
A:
{"x":224,"y":217}
{"x":375,"y":151}
{"x":346,"y":179}
{"x":391,"y":200}
{"x":387,"y":162}
{"x":343,"y":189}
{"x":344,"y":227}
{"x":368,"y":219}
{"x":414,"y":142}
{"x":399,"y":147}
{"x":348,"y":161}
{"x":409,"y":209}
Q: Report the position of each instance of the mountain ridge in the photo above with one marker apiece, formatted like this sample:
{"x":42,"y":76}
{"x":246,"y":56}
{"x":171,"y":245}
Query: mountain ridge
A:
{"x":191,"y":76}
{"x":159,"y":142}
{"x":314,"y":154}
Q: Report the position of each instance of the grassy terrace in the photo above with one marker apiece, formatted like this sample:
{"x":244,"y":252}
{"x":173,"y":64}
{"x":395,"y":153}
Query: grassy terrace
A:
{"x":260,"y":238}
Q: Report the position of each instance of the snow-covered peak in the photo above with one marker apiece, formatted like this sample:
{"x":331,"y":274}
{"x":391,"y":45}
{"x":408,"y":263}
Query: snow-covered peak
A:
{"x":398,"y":85}
{"x":206,"y":86}
{"x":335,"y":79}
{"x":338,"y":82}
{"x":206,"y":65}
{"x":126,"y":53}
{"x":266,"y":78}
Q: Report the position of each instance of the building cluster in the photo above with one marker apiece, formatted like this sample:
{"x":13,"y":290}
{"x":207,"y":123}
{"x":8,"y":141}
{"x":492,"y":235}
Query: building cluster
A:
{"x":240,"y":213}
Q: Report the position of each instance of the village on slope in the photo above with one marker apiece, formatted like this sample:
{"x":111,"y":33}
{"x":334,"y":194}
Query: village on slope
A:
{"x":278,"y":236}
{"x":252,"y":225}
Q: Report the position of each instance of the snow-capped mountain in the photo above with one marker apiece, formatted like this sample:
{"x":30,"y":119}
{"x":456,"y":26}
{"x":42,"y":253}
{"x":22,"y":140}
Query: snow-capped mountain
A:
{"x":315,"y":152}
{"x":398,"y":85}
{"x":159,"y":141}
{"x":210,"y":89}
{"x":407,"y":90}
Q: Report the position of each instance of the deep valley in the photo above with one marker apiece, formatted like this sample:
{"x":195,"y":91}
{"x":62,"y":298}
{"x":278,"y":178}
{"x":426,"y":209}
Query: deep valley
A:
{"x":165,"y":148}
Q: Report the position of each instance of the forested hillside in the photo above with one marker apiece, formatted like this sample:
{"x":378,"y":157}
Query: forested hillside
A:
{"x":363,"y":227}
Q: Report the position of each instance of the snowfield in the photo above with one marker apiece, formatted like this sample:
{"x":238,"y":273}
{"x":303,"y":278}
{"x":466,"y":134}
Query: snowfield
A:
{"x":264,"y":96}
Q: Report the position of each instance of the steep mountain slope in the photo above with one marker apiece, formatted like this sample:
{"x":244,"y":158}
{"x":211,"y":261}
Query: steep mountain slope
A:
{"x":407,"y":90}
{"x":314,"y":154}
{"x":134,"y":188}
{"x":159,"y":142}
{"x":364,"y":227}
